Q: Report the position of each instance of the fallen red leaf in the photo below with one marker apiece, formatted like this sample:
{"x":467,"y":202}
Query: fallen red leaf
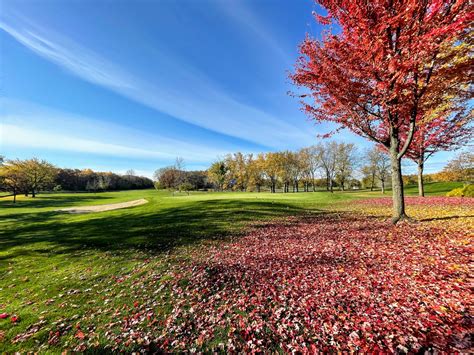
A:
{"x":79,"y":335}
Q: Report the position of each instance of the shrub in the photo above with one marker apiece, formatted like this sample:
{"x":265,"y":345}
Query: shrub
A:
{"x":466,"y":191}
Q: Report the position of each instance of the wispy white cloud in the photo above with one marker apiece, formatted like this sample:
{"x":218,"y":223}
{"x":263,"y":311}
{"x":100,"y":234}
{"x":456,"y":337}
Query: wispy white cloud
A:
{"x":189,"y":95}
{"x":87,"y":65}
{"x":30,"y":126}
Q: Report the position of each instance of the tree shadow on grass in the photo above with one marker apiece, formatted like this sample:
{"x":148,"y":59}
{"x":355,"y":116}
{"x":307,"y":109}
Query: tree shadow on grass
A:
{"x":151,"y":229}
{"x":53,"y":201}
{"x":446,"y":218}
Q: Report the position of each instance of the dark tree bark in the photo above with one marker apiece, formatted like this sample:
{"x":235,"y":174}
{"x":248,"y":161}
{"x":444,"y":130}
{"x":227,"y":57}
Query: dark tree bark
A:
{"x":397,"y":181}
{"x":421,"y":186}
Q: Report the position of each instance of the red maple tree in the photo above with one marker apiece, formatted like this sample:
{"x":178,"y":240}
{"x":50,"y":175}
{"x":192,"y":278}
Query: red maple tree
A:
{"x":374,"y":74}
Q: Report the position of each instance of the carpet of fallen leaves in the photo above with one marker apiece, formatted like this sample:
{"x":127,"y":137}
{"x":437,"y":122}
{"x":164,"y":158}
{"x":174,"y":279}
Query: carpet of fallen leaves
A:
{"x":421,"y":201}
{"x":330,"y":282}
{"x":452,"y":213}
{"x":339,"y":281}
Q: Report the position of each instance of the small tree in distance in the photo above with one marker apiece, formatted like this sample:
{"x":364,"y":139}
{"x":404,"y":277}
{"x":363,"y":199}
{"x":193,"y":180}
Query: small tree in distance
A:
{"x":39,"y":174}
{"x":378,"y":167}
{"x":217,"y":174}
{"x":13,"y":178}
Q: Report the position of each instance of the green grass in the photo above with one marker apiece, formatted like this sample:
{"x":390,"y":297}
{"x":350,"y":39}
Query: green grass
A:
{"x":58,"y":267}
{"x":434,"y":188}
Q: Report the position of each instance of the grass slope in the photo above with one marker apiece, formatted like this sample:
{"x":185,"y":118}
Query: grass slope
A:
{"x":56,"y":267}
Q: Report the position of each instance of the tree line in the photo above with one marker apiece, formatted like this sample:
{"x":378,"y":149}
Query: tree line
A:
{"x":328,"y":165}
{"x":31,"y":176}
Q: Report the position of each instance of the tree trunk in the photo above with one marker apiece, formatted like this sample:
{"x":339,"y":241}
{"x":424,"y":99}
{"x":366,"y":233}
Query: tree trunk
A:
{"x":383,"y":186}
{"x":14,"y":196}
{"x":397,"y":184}
{"x":33,"y":194}
{"x":421,"y":186}
{"x":330,"y":186}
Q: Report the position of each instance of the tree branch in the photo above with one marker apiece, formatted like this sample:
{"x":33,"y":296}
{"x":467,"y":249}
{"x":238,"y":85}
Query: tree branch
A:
{"x":410,"y":135}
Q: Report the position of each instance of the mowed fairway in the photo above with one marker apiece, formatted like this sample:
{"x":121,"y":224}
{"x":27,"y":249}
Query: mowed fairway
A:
{"x":95,"y":281}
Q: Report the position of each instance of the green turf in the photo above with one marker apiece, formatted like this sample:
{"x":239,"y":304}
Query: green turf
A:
{"x":434,"y":188}
{"x":58,"y":267}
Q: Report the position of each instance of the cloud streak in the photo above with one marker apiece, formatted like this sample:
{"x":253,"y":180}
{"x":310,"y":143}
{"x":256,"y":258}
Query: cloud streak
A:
{"x":36,"y":127}
{"x":189,"y":95}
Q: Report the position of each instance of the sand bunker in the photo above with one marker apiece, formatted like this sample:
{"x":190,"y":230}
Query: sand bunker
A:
{"x":102,"y":208}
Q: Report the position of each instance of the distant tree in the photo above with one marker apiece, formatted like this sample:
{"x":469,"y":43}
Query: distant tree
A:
{"x":76,"y":180}
{"x":256,"y":174}
{"x":39,"y":174}
{"x":285,"y":162}
{"x":198,"y":179}
{"x":327,"y":154}
{"x":409,"y":179}
{"x":271,"y":167}
{"x":169,"y":177}
{"x":130,"y":172}
{"x":298,"y":168}
{"x":346,"y":159}
{"x":179,"y":168}
{"x":386,"y":60}
{"x":304,"y":156}
{"x":378,"y":166}
{"x":13,"y":177}
{"x":217,"y":174}
{"x":382,"y":167}
{"x":354,"y":184}
{"x":185,"y":187}
{"x":238,"y":174}
{"x":460,"y":168}
{"x":312,"y":163}
{"x":369,"y":173}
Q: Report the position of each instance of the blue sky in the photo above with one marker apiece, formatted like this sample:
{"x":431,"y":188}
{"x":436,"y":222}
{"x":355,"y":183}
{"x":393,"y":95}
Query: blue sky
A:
{"x":115,"y":85}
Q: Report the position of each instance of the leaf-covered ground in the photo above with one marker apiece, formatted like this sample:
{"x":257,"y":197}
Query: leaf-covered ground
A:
{"x":326,"y":281}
